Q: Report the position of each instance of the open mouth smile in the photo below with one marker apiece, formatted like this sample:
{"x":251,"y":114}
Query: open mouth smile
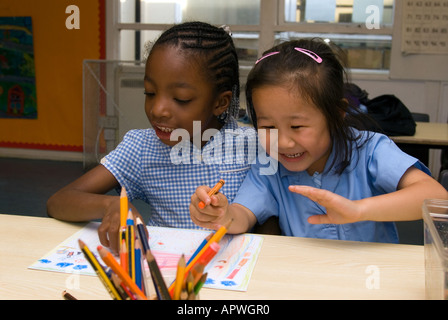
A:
{"x":293,"y":155}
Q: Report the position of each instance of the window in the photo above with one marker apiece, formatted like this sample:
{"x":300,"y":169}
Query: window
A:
{"x":137,"y":18}
{"x":362,"y":28}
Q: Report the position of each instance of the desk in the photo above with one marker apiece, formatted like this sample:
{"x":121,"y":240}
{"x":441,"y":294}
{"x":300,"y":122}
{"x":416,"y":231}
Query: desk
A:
{"x":430,"y":134}
{"x":287,"y":267}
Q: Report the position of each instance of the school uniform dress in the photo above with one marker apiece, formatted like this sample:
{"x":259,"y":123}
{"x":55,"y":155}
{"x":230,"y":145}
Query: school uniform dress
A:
{"x":166,"y":178}
{"x":375,"y":169}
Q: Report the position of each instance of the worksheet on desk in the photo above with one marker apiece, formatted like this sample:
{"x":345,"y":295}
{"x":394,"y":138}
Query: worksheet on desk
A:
{"x":230,"y":269}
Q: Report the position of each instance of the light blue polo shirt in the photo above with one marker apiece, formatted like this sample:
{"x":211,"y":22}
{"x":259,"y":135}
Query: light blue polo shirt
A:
{"x":376,"y":168}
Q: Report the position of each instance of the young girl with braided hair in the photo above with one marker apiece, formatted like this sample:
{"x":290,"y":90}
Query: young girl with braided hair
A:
{"x":191,"y":77}
{"x":334,"y":180}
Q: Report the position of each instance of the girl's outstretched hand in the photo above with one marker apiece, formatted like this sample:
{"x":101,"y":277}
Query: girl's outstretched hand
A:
{"x":340,"y":210}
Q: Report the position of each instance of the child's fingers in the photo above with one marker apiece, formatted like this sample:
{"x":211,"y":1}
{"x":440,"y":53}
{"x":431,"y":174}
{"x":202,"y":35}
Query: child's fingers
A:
{"x":108,"y":231}
{"x":108,"y":235}
{"x":340,"y":210}
{"x":204,"y":218}
{"x":218,"y":200}
{"x":323,"y":197}
{"x":202,"y":223}
{"x":319,"y":219}
{"x":102,"y":234}
{"x":202,"y":194}
{"x":210,"y":215}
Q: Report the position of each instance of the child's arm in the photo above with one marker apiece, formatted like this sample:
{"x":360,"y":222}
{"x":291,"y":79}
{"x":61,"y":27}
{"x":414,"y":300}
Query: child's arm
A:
{"x":85,"y":199}
{"x":403,"y":204}
{"x":218,"y":212}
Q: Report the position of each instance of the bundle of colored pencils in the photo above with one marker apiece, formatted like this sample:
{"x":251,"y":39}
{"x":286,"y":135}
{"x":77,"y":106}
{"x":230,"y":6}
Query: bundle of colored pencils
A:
{"x":190,"y":277}
{"x":125,"y":280}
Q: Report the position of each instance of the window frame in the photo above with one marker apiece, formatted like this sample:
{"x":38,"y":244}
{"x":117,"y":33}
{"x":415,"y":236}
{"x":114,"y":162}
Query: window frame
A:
{"x":272,"y":21}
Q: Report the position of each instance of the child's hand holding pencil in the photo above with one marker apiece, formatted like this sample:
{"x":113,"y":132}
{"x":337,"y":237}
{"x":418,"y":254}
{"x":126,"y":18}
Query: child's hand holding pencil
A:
{"x":211,"y":209}
{"x":208,"y":206}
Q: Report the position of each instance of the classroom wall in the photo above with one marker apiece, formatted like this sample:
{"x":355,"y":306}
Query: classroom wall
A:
{"x":58,"y":53}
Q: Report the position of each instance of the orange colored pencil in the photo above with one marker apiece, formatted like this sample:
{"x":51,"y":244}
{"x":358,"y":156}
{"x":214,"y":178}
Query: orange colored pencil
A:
{"x":109,"y":259}
{"x":99,"y":270}
{"x":213,"y":191}
{"x":124,"y":255}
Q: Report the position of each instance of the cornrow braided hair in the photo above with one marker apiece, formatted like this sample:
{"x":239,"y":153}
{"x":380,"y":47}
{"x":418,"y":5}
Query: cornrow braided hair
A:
{"x":215,"y":46}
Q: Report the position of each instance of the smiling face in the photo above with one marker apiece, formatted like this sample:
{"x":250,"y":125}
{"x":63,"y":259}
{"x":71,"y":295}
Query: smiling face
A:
{"x":304,"y":141}
{"x":178,"y":93}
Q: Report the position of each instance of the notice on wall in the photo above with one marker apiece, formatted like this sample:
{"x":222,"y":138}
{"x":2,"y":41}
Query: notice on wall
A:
{"x":425,"y":27}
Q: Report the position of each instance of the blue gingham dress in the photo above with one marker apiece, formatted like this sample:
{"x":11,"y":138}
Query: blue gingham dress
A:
{"x":143,"y":165}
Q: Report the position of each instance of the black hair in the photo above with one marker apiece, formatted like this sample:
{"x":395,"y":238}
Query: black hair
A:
{"x":215,"y":46}
{"x":323,"y":84}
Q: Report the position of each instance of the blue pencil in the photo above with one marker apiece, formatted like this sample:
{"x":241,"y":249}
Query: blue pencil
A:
{"x":138,"y":268}
{"x":130,"y":235}
{"x":204,"y":242}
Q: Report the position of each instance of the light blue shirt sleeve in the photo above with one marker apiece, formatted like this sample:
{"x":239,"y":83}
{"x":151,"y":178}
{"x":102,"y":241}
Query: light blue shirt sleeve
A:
{"x":124,"y":162}
{"x":386,"y":164}
{"x":256,"y":194}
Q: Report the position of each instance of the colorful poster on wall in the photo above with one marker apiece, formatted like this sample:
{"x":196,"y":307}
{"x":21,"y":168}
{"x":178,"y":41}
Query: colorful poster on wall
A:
{"x":17,"y":75}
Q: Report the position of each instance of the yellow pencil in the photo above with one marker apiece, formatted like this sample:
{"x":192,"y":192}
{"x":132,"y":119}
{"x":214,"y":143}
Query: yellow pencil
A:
{"x":189,"y":283}
{"x":179,"y":278}
{"x":99,"y":271}
{"x":123,"y":207}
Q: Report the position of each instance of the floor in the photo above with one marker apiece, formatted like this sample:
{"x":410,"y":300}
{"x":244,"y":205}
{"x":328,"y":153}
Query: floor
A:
{"x":25,"y":186}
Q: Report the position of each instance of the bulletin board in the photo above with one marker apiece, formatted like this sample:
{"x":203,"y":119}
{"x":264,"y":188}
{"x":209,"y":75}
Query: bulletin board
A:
{"x":58,"y":53}
{"x":422,"y":51}
{"x":17,"y":74}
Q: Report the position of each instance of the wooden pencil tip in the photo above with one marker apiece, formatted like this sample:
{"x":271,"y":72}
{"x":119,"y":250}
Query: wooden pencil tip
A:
{"x":227,"y":225}
{"x":102,"y":251}
{"x":182,"y":262}
{"x":81,"y":243}
{"x":149,"y":255}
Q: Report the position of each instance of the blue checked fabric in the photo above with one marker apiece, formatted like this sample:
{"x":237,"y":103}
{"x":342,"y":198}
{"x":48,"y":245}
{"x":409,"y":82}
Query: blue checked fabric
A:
{"x":145,"y":167}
